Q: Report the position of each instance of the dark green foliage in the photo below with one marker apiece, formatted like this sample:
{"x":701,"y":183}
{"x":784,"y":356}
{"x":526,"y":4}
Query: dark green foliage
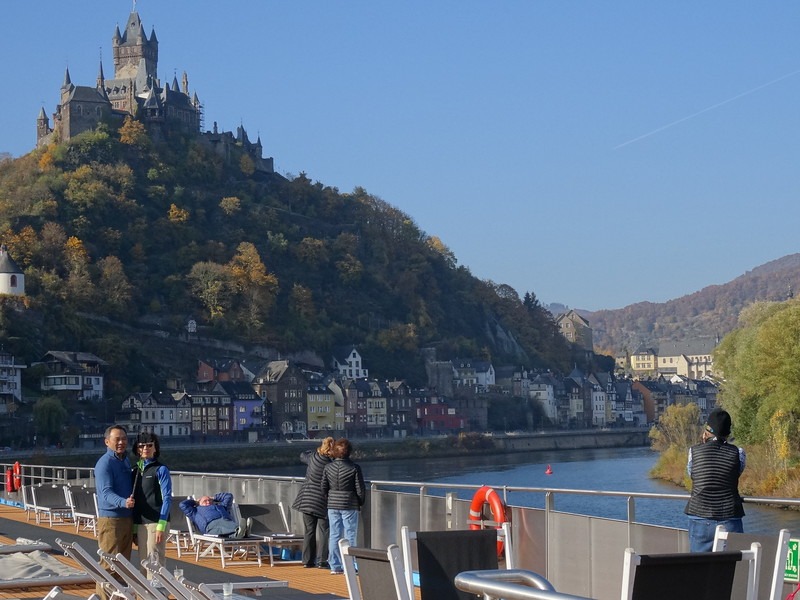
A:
{"x":350,"y":268}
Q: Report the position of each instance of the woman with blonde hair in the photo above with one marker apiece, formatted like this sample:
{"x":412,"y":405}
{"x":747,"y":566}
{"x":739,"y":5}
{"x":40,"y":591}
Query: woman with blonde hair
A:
{"x":312,"y":502}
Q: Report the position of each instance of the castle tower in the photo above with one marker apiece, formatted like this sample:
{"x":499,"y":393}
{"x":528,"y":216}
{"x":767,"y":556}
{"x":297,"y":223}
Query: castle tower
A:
{"x":42,"y":125}
{"x":12,"y":280}
{"x":131,"y":47}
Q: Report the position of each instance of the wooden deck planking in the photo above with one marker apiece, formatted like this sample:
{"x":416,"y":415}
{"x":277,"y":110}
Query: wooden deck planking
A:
{"x":312,"y":581}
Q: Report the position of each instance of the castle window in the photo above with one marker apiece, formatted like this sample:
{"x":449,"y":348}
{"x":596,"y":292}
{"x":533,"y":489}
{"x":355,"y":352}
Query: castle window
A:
{"x":79,"y":109}
{"x":99,"y":111}
{"x":13,"y":281}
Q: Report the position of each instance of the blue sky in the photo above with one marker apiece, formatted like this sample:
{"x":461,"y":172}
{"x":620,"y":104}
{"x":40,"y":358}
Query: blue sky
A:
{"x":595,"y":153}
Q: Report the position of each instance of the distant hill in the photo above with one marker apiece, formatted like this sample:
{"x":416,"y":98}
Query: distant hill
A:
{"x":712,"y":312}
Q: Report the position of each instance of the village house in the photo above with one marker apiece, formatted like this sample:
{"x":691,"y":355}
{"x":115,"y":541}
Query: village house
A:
{"x":347,"y":363}
{"x":78,"y":373}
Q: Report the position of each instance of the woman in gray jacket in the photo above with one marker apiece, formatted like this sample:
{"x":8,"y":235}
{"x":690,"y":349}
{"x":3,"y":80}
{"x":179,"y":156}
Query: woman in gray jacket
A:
{"x":343,"y":483}
{"x":311,"y":501}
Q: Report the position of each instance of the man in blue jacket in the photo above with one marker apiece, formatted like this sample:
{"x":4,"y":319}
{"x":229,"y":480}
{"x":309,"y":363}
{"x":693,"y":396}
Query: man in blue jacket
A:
{"x":213,"y":516}
{"x":114,"y":486}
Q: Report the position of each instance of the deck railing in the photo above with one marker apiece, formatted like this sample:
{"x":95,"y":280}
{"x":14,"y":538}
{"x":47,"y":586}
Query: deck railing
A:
{"x":580,"y":554}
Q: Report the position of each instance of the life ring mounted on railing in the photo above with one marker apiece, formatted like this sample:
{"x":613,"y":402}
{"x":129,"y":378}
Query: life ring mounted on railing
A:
{"x":487,"y":495}
{"x":17,"y":476}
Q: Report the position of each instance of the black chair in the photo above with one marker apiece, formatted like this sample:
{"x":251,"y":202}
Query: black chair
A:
{"x":379,"y":575}
{"x":269,"y":522}
{"x":441,"y":555}
{"x":688,"y":575}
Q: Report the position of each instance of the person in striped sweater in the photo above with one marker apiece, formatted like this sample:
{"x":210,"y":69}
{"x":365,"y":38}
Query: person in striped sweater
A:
{"x":714,"y":466}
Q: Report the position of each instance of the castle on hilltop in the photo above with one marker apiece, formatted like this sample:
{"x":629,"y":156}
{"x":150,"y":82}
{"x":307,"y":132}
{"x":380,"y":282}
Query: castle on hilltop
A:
{"x":137,"y":91}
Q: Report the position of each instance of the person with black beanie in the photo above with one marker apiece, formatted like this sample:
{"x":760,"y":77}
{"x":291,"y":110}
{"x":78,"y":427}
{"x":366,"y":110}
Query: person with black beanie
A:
{"x":714,"y":466}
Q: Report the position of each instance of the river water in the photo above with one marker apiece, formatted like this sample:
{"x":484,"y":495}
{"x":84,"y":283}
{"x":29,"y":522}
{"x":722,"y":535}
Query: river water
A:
{"x":612,"y":469}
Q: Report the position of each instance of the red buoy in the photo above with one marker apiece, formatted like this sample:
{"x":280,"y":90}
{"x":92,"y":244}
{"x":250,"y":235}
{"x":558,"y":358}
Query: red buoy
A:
{"x":548,"y":470}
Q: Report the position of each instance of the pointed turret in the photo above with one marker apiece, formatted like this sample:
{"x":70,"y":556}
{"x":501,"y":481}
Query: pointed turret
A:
{"x":117,"y":38}
{"x":153,"y":38}
{"x":12,"y":280}
{"x":67,"y":80}
{"x":175,"y":83}
{"x":42,"y":115}
{"x":101,"y":82}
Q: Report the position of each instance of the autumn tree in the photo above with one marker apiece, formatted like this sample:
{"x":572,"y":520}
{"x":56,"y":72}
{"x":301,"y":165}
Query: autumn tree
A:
{"x":113,"y":288}
{"x":679,"y":427}
{"x":177,"y":214}
{"x":349,"y":269}
{"x":133,"y":133}
{"x":759,"y":362}
{"x":230,"y":205}
{"x":78,"y":288}
{"x":677,"y":430}
{"x":436,"y":244}
{"x":209,"y":284}
{"x":247,"y":165}
{"x":254,"y":287}
{"x":312,"y":251}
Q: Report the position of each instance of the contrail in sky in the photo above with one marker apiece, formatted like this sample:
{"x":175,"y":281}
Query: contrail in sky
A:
{"x":705,"y":110}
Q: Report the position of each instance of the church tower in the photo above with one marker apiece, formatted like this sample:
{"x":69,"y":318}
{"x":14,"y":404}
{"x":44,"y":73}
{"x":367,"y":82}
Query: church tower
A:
{"x":133,"y":49}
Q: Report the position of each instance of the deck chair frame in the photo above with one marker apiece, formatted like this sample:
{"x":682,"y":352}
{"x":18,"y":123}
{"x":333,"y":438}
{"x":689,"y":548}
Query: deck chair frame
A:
{"x":178,"y":533}
{"x":407,"y":537}
{"x":376,"y":565}
{"x":633,"y":563}
{"x":27,"y":502}
{"x":83,"y":502}
{"x":229,"y":548}
{"x":721,"y":538}
{"x":112,"y":587}
{"x":56,"y":593}
{"x":176,"y":588}
{"x":276,"y":533}
{"x":50,"y":502}
{"x":131,"y":576}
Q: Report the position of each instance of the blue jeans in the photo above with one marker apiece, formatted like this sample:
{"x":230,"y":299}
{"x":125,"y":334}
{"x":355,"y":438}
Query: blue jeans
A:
{"x":343,"y":525}
{"x":701,"y":532}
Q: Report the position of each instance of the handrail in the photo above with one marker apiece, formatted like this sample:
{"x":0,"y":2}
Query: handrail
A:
{"x":59,"y":474}
{"x":541,"y":490}
{"x":510,"y":584}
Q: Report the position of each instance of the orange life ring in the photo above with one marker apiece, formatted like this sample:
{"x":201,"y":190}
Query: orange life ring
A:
{"x":17,"y":475}
{"x":487,"y":495}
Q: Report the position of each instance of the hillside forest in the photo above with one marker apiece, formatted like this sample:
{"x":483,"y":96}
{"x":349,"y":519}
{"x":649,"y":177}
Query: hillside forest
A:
{"x":707,"y":314}
{"x":117,"y":234}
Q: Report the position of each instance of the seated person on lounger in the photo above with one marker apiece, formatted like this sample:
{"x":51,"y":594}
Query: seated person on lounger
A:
{"x":212,"y":515}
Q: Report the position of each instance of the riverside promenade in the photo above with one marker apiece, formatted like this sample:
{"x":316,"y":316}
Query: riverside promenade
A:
{"x":304,"y":584}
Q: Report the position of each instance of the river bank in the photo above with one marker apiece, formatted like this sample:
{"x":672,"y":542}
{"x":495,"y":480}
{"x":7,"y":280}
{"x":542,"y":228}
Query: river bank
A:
{"x":222,"y":457}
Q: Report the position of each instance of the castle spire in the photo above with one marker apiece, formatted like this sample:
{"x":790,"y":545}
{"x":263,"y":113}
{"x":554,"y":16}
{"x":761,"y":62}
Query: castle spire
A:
{"x":101,"y":82}
{"x":67,"y":81}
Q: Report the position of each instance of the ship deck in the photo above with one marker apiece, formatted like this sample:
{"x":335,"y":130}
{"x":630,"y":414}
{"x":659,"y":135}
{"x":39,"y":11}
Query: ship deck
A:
{"x":304,"y":584}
